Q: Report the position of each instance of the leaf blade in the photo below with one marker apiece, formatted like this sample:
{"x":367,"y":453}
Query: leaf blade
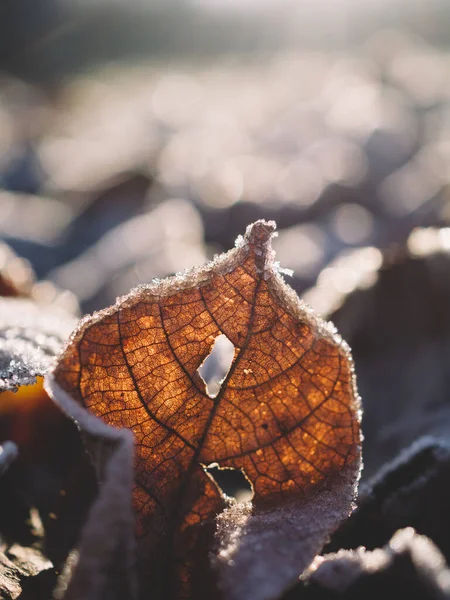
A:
{"x":287,"y":412}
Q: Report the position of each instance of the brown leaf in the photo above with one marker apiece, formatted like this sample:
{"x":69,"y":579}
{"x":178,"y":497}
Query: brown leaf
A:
{"x":102,"y":567}
{"x":397,"y":322}
{"x":261,"y":553}
{"x":286,"y":413}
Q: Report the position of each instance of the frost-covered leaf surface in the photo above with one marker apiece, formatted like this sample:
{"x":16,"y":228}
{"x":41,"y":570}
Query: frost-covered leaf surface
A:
{"x":104,"y":561}
{"x":409,"y":563}
{"x":399,"y":330}
{"x":261,"y":552}
{"x":39,"y":446}
{"x":411,"y":491}
{"x":287,"y":414}
{"x":30,"y":338}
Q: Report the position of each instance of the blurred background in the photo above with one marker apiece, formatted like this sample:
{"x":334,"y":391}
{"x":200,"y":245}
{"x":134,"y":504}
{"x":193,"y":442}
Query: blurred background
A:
{"x":140,"y":138}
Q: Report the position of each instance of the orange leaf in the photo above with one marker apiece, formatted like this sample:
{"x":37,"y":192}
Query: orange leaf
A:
{"x":287,"y":412}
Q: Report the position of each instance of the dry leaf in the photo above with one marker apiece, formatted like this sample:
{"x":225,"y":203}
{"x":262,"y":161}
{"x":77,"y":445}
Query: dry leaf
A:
{"x":412,"y":490}
{"x":103,"y":565}
{"x":287,"y":414}
{"x":397,"y":322}
{"x":30,"y":338}
{"x":38,"y":444}
{"x":18,"y":565}
{"x":408,"y":562}
{"x":262,"y":553}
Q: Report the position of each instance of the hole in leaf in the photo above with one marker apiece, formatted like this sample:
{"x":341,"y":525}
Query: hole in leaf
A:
{"x":216,"y":365}
{"x":232,"y":482}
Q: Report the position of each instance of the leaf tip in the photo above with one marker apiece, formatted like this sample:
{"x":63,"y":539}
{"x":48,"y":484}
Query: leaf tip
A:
{"x":260,"y":232}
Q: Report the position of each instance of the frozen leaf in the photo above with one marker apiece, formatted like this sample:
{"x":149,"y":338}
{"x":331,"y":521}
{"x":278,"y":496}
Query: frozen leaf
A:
{"x":286,"y":413}
{"x":48,"y":451}
{"x":30,"y":338}
{"x":102,"y":567}
{"x":397,"y":322}
{"x":409,"y":562}
{"x":261,"y":552}
{"x":18,"y":565}
{"x":41,"y":441}
{"x":410,"y":491}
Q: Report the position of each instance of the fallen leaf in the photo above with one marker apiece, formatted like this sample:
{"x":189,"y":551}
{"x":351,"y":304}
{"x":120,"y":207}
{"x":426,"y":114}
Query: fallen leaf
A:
{"x":287,"y":414}
{"x":19,"y":567}
{"x":40,"y":448}
{"x":50,"y":457}
{"x":261,"y":553}
{"x":104,"y":563}
{"x":408,"y":562}
{"x":397,"y":322}
{"x":30,"y":338}
{"x":412,"y":490}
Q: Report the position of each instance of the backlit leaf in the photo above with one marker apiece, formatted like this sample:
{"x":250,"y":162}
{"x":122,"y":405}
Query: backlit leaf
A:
{"x":287,"y":412}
